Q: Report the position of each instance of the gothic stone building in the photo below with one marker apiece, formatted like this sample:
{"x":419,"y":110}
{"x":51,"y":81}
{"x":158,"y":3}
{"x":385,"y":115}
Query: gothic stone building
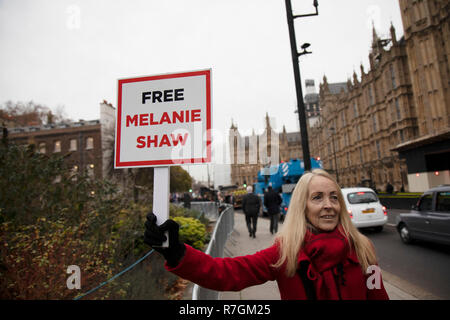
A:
{"x":427,"y":33}
{"x":249,"y":154}
{"x":393,"y":125}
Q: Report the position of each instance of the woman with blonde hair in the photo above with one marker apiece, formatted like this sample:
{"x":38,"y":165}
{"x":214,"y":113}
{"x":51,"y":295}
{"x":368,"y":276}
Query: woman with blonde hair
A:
{"x":318,"y":254}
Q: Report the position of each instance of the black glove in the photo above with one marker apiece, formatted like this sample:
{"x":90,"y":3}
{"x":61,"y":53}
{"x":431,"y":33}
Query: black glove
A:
{"x":154,"y":236}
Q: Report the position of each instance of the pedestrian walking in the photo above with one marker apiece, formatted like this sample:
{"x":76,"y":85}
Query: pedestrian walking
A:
{"x":318,"y":254}
{"x":229,"y":198}
{"x":251,"y":205}
{"x":187,"y":200}
{"x":389,"y":188}
{"x":272,"y":201}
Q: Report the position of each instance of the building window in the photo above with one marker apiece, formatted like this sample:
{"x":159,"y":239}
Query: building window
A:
{"x":374,"y":123}
{"x":57,"y":146}
{"x":42,"y":148}
{"x":355,"y":110}
{"x":378,"y":149}
{"x":397,"y":109}
{"x":370,"y":96}
{"x":73,"y":145}
{"x":361,"y":155}
{"x":74,"y":173}
{"x":394,"y":84}
{"x":402,"y":138}
{"x":90,"y":143}
{"x":90,"y":170}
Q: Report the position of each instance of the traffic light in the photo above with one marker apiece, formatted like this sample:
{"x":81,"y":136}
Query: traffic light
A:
{"x":245,"y":184}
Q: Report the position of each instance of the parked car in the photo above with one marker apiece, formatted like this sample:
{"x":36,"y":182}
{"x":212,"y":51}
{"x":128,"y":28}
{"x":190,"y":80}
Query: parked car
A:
{"x":365,"y":208}
{"x":429,"y":219}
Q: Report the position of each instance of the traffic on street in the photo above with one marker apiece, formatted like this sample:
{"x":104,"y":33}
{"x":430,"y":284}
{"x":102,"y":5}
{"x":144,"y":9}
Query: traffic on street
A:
{"x":422,"y":264}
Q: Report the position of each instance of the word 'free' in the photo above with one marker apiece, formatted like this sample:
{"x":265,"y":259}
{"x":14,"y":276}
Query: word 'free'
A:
{"x":163,"y":96}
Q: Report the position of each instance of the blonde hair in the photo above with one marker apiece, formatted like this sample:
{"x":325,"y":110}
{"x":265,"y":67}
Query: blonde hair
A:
{"x":292,"y":235}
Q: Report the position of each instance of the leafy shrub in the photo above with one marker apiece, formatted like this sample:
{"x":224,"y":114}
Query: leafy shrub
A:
{"x":46,"y":225}
{"x":177,"y":211}
{"x":192,"y":231}
{"x":34,"y":261}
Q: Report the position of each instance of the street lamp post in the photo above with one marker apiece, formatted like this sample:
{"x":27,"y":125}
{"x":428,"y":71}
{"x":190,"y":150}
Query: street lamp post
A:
{"x":334,"y":153}
{"x":298,"y":82}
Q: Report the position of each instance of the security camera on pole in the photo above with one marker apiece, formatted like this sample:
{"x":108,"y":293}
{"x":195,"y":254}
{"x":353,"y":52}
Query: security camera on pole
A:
{"x":298,"y":82}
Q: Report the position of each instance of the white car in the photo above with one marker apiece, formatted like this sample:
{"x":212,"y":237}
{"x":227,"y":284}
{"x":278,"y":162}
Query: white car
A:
{"x":365,"y":208}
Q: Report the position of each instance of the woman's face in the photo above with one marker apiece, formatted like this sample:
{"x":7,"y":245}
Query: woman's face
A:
{"x":322,"y":205}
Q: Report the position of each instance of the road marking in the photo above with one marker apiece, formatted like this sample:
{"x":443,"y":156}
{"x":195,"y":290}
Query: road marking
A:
{"x":391,"y":224}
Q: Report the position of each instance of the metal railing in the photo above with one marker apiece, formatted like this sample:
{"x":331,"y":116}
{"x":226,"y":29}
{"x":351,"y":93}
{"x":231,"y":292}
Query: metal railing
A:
{"x":208,"y":208}
{"x":222,"y":230}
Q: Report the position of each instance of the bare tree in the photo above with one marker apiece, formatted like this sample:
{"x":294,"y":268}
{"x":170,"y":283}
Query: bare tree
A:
{"x":20,"y":114}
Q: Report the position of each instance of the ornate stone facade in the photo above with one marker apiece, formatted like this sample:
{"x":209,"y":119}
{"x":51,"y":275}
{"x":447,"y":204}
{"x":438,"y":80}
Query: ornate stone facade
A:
{"x":362,"y":120}
{"x":390,"y":125}
{"x":249,"y":154}
{"x":427,"y":34}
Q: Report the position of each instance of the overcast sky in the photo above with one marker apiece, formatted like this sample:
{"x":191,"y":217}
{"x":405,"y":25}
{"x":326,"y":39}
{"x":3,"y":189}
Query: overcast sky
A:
{"x":71,"y":53}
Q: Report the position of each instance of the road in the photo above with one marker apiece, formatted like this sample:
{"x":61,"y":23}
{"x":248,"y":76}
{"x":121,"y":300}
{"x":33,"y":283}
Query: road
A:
{"x":425,"y":265}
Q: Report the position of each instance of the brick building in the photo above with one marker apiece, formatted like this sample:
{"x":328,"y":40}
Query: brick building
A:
{"x":80,"y":141}
{"x":84,"y":143}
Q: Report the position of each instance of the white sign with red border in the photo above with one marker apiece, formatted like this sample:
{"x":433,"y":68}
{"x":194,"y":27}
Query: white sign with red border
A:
{"x":164,"y":120}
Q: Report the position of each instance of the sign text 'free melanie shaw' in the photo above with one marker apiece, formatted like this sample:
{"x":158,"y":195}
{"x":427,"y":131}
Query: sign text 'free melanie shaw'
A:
{"x":164,"y":120}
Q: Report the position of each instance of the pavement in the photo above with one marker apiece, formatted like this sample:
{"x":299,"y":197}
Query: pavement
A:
{"x":240,"y":244}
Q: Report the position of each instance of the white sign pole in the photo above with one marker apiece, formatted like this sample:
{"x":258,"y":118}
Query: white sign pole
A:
{"x":161,"y":191}
{"x":158,"y":116}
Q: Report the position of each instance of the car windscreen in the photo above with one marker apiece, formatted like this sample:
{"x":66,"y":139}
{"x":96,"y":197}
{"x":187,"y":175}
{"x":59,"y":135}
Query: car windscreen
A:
{"x":362,"y":197}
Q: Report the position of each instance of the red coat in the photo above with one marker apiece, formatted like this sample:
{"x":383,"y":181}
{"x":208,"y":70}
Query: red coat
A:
{"x":236,"y":274}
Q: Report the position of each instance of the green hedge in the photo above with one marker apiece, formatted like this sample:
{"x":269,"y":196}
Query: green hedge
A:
{"x":192,"y":231}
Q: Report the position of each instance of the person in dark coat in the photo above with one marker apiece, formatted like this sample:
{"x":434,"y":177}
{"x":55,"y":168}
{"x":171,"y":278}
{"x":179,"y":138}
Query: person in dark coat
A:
{"x":229,"y":198}
{"x":389,"y":188}
{"x":251,"y":204}
{"x":318,"y":254}
{"x":272,"y":201}
{"x":187,"y":200}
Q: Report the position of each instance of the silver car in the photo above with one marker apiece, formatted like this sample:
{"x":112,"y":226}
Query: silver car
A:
{"x":429,"y":219}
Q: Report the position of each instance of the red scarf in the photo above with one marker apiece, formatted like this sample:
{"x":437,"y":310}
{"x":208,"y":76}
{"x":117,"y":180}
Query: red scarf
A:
{"x":326,"y":254}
